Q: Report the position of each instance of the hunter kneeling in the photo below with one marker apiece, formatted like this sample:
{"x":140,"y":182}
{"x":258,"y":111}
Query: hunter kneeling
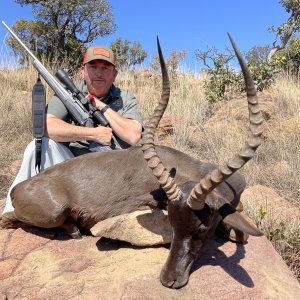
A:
{"x":65,"y":139}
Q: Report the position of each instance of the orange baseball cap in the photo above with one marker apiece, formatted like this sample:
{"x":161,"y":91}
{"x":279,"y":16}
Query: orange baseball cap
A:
{"x":99,"y":52}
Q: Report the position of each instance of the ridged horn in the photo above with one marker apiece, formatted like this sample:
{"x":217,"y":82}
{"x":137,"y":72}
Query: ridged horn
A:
{"x":154,"y":162}
{"x":196,"y":199}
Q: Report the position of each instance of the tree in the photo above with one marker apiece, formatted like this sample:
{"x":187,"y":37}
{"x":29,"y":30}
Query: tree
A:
{"x":62,"y":29}
{"x":172,"y":63}
{"x":258,"y":54}
{"x":262,"y":70}
{"x":31,"y":33}
{"x":220,"y":74}
{"x":127,"y":53}
{"x":288,"y":59}
{"x":285,"y":31}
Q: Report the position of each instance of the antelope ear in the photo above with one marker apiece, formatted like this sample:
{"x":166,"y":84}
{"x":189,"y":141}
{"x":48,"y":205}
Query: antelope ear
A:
{"x":237,"y":220}
{"x":241,"y":223}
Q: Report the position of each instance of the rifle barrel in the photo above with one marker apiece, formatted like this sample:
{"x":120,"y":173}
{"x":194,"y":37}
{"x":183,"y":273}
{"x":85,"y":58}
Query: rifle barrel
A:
{"x":74,"y":106}
{"x":16,"y":37}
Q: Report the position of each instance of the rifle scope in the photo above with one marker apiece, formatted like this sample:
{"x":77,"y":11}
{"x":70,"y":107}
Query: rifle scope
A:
{"x":95,"y":113}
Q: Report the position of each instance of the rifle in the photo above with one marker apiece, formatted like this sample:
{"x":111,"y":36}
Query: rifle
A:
{"x":76,"y":103}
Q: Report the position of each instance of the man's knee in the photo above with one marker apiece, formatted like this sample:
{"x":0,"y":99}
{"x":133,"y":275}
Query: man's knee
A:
{"x":54,"y":153}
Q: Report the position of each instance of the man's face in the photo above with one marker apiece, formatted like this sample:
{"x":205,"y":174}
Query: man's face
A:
{"x":99,"y":76}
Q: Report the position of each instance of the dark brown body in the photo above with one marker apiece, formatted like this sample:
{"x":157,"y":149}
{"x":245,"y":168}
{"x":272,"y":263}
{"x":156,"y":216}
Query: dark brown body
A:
{"x":85,"y":190}
{"x":97,"y":186}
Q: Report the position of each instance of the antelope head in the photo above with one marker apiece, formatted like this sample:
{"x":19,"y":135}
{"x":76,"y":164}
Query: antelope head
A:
{"x":196,"y":208}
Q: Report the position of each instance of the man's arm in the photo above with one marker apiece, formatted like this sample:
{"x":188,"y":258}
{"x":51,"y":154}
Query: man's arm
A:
{"x":127,"y":123}
{"x":127,"y":130}
{"x":61,"y":131}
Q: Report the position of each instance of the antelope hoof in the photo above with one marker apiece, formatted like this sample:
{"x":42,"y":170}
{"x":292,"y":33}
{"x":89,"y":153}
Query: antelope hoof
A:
{"x":76,"y":235}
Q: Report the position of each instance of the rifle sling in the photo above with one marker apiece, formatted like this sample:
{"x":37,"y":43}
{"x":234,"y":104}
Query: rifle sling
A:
{"x":38,"y":119}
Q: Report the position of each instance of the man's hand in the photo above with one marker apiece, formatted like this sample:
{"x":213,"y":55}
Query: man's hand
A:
{"x":126,"y":129}
{"x":102,"y":135}
{"x":96,"y":102}
{"x":60,"y":131}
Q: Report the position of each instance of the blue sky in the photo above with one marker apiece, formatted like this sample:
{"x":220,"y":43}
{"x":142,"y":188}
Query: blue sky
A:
{"x":190,"y":25}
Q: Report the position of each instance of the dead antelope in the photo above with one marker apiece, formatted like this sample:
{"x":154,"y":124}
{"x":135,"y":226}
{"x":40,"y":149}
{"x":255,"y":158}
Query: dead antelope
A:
{"x":199,"y":195}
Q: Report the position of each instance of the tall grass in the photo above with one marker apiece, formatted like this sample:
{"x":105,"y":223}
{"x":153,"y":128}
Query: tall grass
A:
{"x":203,"y":131}
{"x":15,"y":111}
{"x":187,"y":105}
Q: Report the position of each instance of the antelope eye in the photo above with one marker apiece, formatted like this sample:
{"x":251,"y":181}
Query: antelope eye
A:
{"x":202,"y":227}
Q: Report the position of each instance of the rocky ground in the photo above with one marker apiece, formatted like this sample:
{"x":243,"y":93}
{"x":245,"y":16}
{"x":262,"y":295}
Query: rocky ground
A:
{"x":46,"y":264}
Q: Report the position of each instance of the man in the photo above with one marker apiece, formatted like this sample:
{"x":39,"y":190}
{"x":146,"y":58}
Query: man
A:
{"x":118,"y":106}
{"x":65,"y":139}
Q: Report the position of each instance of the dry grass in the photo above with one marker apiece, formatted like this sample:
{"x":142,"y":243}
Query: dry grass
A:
{"x":205,"y":132}
{"x":187,"y":104}
{"x":15,"y":112}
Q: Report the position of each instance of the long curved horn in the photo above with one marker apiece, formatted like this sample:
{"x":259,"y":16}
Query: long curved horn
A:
{"x":166,"y":181}
{"x":196,"y":199}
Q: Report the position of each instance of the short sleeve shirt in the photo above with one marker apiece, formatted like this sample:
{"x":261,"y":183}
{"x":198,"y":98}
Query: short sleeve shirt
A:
{"x":121,"y":101}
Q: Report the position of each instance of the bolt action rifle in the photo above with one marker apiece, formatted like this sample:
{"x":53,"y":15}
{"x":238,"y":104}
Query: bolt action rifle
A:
{"x":79,"y":106}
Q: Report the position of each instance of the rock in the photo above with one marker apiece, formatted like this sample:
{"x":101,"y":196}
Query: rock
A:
{"x":237,"y":109}
{"x":278,"y":218}
{"x":260,"y":200}
{"x":45,"y":264}
{"x":2,"y":204}
{"x":140,"y":228}
{"x":232,"y":117}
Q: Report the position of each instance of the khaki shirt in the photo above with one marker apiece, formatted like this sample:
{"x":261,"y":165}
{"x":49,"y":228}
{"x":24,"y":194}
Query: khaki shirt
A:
{"x":121,"y":101}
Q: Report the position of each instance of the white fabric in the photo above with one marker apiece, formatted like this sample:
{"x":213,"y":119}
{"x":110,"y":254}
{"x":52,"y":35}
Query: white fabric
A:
{"x":52,"y":154}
